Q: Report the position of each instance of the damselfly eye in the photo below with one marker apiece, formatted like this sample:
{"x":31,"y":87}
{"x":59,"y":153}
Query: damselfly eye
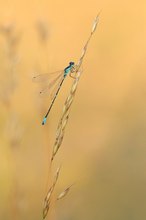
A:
{"x":71,"y":63}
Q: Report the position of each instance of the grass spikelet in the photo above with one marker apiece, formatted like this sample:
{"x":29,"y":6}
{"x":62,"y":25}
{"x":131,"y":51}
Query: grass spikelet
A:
{"x":95,"y":23}
{"x":56,"y":176}
{"x":67,"y":105}
{"x":64,"y":193}
{"x":45,"y":210}
{"x":47,"y":200}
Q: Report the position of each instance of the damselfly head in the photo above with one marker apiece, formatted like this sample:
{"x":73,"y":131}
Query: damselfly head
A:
{"x":71,"y":63}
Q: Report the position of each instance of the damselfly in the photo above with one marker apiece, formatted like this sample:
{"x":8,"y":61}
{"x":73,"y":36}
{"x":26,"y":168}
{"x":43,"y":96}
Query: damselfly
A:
{"x":56,"y":84}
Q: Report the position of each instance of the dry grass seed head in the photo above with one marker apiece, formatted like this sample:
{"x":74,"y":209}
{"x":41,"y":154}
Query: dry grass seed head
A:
{"x":64,"y":119}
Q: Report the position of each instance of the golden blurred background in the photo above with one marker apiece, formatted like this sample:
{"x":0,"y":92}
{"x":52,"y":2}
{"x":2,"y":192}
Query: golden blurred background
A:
{"x":103,"y":151}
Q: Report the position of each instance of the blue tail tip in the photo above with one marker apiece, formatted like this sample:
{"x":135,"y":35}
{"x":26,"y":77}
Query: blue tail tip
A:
{"x":44,"y":121}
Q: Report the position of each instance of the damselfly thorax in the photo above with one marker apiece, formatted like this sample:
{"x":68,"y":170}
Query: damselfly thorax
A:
{"x":73,"y":71}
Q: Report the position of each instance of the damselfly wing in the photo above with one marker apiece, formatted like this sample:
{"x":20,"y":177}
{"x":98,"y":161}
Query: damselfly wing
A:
{"x":48,"y":82}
